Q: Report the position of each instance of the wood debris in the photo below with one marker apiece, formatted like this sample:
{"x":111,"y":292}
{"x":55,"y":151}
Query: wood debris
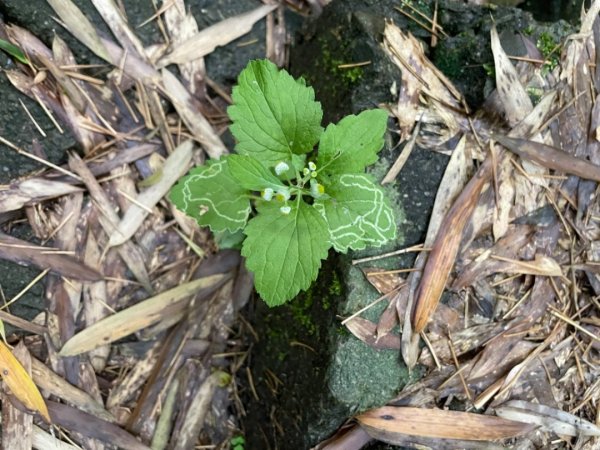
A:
{"x":140,"y":307}
{"x":506,"y":301}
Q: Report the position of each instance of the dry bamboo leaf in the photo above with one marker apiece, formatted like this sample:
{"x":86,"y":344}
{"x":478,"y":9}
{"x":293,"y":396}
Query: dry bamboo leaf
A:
{"x":277,"y":38}
{"x":193,"y":418}
{"x":456,"y":176}
{"x":542,"y":265}
{"x":439,"y":423}
{"x":167,"y":413}
{"x":20,"y":383}
{"x":67,"y":84}
{"x":136,"y":317}
{"x":87,"y":425}
{"x":419,"y":75}
{"x":27,"y":41}
{"x":530,"y":125}
{"x":46,"y":441}
{"x":550,"y":419}
{"x":175,"y":166}
{"x":366,"y":331}
{"x":109,"y":219}
{"x":215,"y":36}
{"x":78,"y":24}
{"x":17,"y":425}
{"x":590,"y":17}
{"x":117,"y":23}
{"x":504,"y":197}
{"x":513,"y":96}
{"x":132,"y":65}
{"x":31,"y":191}
{"x":353,"y":438}
{"x":184,"y":103}
{"x":463,"y":341}
{"x":550,"y":157}
{"x":181,"y":26}
{"x":94,"y":299}
{"x":445,"y":248}
{"x":403,"y":156}
{"x":20,"y":251}
{"x":134,"y":379}
{"x":483,"y":265}
{"x":383,"y":282}
{"x":51,"y":382}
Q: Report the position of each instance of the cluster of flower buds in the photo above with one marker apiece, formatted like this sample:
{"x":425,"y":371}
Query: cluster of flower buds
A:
{"x":310,"y":170}
{"x":282,"y":194}
{"x":317,"y":190}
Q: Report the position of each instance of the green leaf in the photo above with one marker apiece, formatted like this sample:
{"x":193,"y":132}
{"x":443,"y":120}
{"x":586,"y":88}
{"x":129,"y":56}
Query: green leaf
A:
{"x":274,"y":116}
{"x":212,"y":196}
{"x":251,"y":174}
{"x":226,"y":239}
{"x":353,"y":143}
{"x":357,"y":213}
{"x":13,"y":51}
{"x":285,"y":250}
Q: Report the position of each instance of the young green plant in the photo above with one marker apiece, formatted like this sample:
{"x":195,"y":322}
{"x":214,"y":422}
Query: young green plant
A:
{"x":291,"y":202}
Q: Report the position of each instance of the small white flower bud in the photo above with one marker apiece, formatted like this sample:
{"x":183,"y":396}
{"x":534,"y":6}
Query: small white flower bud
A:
{"x":312,"y":166}
{"x":267,"y":194}
{"x":316,"y":189}
{"x":285,"y":209}
{"x":281,"y":167}
{"x":283,"y":195}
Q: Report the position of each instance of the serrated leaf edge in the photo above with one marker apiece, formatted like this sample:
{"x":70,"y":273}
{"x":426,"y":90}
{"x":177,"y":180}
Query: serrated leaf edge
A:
{"x":360,"y":241}
{"x":272,"y":298}
{"x":210,"y":172}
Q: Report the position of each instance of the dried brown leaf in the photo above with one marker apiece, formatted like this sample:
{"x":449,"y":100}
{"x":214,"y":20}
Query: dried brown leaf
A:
{"x":20,"y":251}
{"x":117,"y":23}
{"x":20,"y":383}
{"x":78,"y":24}
{"x":136,"y":317}
{"x":174,"y":168}
{"x":513,"y":96}
{"x":54,"y":384}
{"x":365,"y":330}
{"x":17,"y":425}
{"x":181,"y":26}
{"x":550,"y":157}
{"x":445,"y":248}
{"x":419,"y":75}
{"x":215,"y":36}
{"x":75,"y":420}
{"x":439,"y":423}
{"x":32,"y":191}
{"x":549,"y":419}
{"x":190,"y":114}
{"x":542,"y":265}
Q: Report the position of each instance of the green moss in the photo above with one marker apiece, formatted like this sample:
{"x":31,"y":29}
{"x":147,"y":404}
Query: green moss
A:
{"x":535,"y":94}
{"x":454,"y":56}
{"x":336,"y":288}
{"x":301,"y":308}
{"x":549,"y":48}
{"x":333,"y":58}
